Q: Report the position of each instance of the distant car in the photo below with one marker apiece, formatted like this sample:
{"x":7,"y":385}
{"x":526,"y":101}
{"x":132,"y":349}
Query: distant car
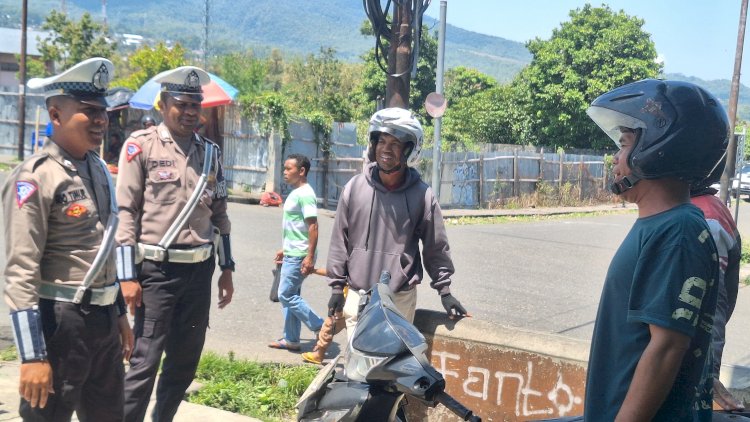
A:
{"x":743,"y":181}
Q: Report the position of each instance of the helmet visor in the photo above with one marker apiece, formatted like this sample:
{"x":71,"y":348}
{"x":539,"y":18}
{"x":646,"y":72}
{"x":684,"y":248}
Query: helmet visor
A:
{"x":611,"y":121}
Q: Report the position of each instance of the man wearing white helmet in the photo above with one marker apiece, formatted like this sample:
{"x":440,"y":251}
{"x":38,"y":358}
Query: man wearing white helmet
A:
{"x":381,"y":217}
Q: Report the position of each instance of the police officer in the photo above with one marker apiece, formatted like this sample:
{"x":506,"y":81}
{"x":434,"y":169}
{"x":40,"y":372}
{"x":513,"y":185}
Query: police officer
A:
{"x":60,"y":219}
{"x":173,"y":212}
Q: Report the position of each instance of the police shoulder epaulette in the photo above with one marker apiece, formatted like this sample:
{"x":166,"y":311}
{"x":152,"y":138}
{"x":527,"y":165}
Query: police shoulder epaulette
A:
{"x":35,"y":161}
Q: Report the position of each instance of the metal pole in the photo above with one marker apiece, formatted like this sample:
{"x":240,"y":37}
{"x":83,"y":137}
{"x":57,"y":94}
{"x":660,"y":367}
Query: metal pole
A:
{"x":436,"y":180}
{"x":22,"y":83}
{"x":729,"y":170}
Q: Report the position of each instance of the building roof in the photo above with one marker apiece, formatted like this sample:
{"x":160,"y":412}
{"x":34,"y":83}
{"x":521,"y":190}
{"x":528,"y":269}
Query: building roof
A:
{"x":10,"y":41}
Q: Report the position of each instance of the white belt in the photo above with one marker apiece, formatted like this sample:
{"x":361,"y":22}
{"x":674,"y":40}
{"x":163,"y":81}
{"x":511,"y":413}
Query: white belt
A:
{"x":100,"y":296}
{"x":180,"y":256}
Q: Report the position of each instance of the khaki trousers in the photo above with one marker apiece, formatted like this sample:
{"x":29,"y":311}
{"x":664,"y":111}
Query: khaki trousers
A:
{"x":406,"y":303}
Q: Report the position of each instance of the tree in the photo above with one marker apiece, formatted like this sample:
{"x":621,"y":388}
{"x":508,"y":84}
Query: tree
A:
{"x":462,"y":82}
{"x":596,"y":51}
{"x":146,"y":62}
{"x":321,"y":84}
{"x":70,"y":42}
{"x":245,"y":72}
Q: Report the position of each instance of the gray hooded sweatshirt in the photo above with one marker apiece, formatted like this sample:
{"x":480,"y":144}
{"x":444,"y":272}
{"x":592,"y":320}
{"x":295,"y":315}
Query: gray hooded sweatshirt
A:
{"x":376,"y":229}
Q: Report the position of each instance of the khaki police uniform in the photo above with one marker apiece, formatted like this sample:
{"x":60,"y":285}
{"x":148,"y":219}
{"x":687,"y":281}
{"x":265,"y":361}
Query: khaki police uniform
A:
{"x":56,"y":211}
{"x":157,"y":177}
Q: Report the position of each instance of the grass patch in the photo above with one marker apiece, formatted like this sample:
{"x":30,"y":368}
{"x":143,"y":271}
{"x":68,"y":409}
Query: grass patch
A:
{"x":5,"y":167}
{"x":265,"y":391}
{"x":8,"y":354}
{"x":503,"y":219}
{"x":745,"y":257}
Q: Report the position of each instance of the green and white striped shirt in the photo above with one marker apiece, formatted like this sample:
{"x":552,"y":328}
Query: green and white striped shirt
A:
{"x":299,"y":205}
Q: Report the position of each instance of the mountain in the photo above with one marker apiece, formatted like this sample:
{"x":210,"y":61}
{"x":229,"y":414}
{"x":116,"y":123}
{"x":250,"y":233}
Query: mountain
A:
{"x":293,"y":26}
{"x":296,"y":27}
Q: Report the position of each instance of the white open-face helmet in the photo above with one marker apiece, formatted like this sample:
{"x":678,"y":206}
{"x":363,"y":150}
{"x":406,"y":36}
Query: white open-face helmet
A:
{"x":403,"y":125}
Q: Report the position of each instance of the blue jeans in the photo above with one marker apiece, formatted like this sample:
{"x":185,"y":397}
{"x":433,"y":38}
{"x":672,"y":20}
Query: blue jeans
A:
{"x":295,"y":309}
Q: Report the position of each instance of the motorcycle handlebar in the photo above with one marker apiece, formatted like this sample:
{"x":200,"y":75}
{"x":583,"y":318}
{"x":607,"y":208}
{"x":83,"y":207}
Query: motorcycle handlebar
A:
{"x":454,"y":406}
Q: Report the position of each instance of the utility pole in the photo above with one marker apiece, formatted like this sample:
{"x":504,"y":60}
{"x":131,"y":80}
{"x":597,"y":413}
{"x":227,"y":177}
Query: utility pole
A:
{"x":104,"y":13}
{"x":22,"y":83}
{"x":733,"y":95}
{"x":397,"y":84}
{"x":205,"y":39}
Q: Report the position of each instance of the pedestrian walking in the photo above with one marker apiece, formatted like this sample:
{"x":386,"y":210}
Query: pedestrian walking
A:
{"x":300,"y":242}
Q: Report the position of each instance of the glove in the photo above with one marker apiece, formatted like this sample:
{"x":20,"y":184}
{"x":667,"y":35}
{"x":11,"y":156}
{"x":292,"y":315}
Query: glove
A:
{"x":451,"y":305}
{"x":336,"y":303}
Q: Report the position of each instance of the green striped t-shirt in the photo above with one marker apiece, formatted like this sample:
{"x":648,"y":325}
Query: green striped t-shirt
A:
{"x":299,"y":205}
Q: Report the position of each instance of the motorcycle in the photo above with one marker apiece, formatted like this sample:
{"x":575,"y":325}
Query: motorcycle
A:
{"x":383,"y":365}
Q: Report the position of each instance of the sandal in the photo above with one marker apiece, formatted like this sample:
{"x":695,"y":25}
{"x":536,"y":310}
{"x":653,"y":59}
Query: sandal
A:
{"x":311,"y":358}
{"x":284,"y":345}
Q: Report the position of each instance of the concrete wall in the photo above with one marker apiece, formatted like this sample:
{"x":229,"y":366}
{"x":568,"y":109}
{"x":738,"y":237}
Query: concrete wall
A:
{"x":503,"y":374}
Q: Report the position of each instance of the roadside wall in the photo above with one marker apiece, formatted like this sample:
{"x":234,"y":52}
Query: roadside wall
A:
{"x":503,"y":374}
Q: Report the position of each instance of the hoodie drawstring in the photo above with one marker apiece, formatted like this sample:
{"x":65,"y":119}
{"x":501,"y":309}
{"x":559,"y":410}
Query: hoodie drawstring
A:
{"x":369,"y":220}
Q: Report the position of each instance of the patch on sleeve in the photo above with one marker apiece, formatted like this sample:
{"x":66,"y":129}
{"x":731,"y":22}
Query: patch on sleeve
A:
{"x":24,"y":191}
{"x":76,"y":210}
{"x":132,"y":150}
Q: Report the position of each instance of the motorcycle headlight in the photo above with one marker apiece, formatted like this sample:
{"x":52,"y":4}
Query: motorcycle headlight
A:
{"x":358,"y":364}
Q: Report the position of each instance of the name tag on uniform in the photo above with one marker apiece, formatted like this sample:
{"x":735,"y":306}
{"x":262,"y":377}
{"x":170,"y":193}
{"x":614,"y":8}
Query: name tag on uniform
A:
{"x":70,"y":196}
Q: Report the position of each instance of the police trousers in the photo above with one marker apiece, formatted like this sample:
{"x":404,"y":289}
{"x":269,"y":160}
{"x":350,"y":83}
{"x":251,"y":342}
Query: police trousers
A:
{"x":172,"y":319}
{"x":85,"y":353}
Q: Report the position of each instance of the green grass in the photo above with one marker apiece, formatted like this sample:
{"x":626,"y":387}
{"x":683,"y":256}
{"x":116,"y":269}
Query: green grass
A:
{"x":5,"y":167}
{"x":503,"y":219}
{"x":8,"y":354}
{"x":265,"y":391}
{"x":745,"y":257}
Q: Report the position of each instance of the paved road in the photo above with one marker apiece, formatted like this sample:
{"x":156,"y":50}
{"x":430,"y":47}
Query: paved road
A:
{"x":541,"y":275}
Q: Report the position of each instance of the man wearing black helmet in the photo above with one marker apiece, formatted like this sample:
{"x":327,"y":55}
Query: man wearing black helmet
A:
{"x":147,"y":121}
{"x":381,"y":217}
{"x":653,"y":329}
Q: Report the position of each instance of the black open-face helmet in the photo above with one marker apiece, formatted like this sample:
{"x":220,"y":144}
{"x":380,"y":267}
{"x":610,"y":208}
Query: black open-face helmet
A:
{"x":682,"y":130}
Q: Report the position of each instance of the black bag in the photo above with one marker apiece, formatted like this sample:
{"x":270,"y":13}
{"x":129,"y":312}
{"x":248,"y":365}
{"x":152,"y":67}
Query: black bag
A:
{"x":274,"y":295}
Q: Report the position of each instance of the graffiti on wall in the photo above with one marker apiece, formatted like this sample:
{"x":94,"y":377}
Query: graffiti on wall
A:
{"x":464,"y":187}
{"x":518,"y":392}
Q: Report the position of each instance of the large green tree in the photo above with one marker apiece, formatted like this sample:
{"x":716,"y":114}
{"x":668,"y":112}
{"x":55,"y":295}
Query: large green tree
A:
{"x":71,"y":41}
{"x":595,"y":51}
{"x":321,"y":84}
{"x":145,"y":62}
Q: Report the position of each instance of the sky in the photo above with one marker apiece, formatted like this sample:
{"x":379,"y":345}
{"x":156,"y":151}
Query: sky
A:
{"x":692,"y":37}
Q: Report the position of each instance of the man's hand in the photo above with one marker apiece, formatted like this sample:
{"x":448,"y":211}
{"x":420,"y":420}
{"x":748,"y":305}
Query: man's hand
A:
{"x":336,"y":303}
{"x":226,"y":288}
{"x":724,"y":398}
{"x":36,"y":383}
{"x":307,"y":265}
{"x":131,"y":292}
{"x":126,"y":336}
{"x":279,"y":258}
{"x":453,"y":307}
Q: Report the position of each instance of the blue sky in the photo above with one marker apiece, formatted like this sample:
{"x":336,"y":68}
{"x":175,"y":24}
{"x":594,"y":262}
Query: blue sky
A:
{"x":693,"y":37}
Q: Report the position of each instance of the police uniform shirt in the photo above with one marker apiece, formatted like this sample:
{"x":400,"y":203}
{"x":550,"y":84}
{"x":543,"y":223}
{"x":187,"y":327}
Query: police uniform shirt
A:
{"x":56,"y":210}
{"x":154,"y":182}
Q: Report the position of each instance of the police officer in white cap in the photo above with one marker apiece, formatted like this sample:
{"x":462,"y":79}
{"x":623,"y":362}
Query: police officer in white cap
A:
{"x":60,"y":220}
{"x":173,"y":210}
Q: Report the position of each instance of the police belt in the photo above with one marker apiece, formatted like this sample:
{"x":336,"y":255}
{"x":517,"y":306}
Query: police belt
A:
{"x":100,"y":296}
{"x":179,"y":256}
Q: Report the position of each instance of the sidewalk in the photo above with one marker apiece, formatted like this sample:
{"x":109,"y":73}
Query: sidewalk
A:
{"x":188,"y":412}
